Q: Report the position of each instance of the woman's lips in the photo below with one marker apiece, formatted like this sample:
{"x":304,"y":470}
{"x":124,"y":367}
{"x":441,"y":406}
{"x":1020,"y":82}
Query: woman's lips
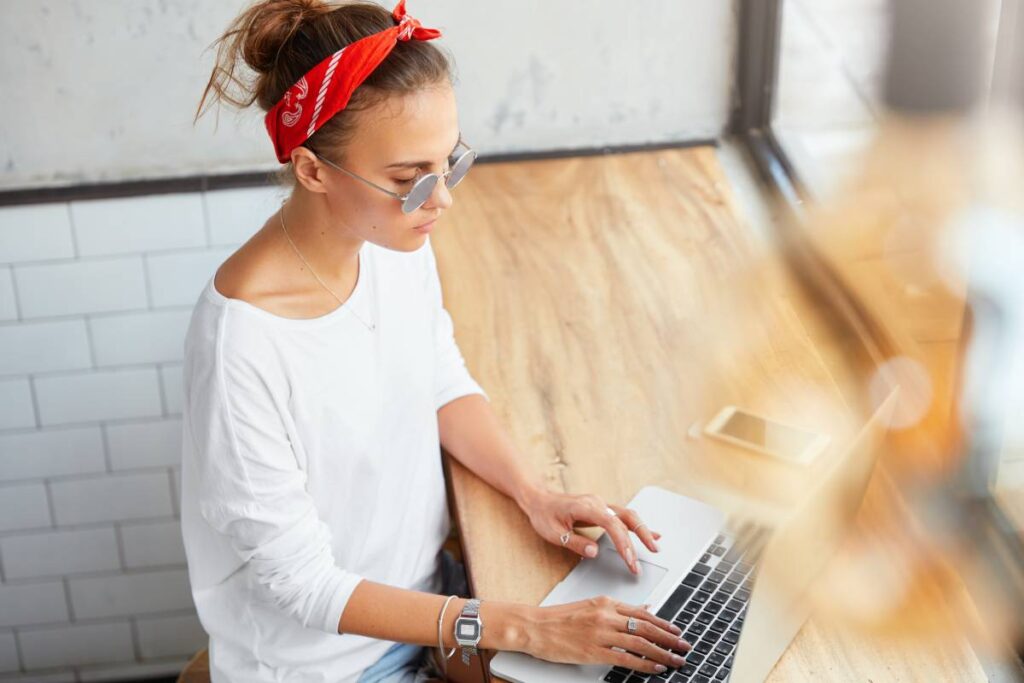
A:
{"x":426,"y":227}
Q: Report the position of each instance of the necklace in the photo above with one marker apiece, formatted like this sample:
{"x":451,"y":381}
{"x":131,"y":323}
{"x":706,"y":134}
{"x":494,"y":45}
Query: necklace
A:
{"x":369,"y":326}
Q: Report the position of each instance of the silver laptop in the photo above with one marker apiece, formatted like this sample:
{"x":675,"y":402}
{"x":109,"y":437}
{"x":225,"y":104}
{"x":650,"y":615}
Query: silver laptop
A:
{"x":734,"y":590}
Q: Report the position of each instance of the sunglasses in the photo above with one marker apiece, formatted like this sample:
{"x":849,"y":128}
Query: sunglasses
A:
{"x":423,"y":185}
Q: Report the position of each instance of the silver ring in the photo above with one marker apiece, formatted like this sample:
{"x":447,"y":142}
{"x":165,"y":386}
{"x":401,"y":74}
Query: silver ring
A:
{"x":564,"y":538}
{"x":610,"y":512}
{"x":637,"y":527}
{"x":632,"y":625}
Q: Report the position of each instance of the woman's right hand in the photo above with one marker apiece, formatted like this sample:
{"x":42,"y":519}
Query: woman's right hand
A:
{"x":584,"y":632}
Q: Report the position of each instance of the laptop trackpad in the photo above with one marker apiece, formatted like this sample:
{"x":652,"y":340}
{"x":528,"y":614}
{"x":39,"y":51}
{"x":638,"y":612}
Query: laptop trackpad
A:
{"x":606,"y":574}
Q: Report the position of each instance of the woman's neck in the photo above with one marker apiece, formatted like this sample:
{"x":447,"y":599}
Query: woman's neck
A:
{"x":328,"y":246}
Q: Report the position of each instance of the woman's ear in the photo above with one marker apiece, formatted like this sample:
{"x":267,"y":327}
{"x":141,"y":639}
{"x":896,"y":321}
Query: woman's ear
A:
{"x":308,"y":170}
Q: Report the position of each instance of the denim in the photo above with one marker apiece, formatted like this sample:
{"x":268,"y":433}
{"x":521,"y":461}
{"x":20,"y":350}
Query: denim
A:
{"x":408,"y":663}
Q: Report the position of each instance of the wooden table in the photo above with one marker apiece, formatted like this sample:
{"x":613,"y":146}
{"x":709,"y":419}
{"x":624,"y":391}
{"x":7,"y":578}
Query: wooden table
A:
{"x":610,"y":304}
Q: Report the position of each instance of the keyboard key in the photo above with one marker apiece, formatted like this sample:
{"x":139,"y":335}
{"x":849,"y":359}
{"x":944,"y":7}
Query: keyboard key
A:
{"x":715,"y":658}
{"x":716,"y":577}
{"x":708,"y":670}
{"x":614,"y":677}
{"x":694,"y":658}
{"x":636,"y":678}
{"x":701,"y":569}
{"x":697,"y":628}
{"x":722,"y":673}
{"x":723,"y":566}
{"x":674,"y":602}
{"x":693,"y":579}
{"x":701,"y":596}
{"x":728,"y":663}
{"x":713,"y":607}
{"x":735,"y":605}
{"x":720,"y":597}
{"x":727,"y":614}
{"x":743,"y":594}
{"x":730,"y":586}
{"x":702,"y":647}
{"x":736,"y":577}
{"x":719,"y":539}
{"x":718,"y":550}
{"x":719,"y":625}
{"x":731,"y":636}
{"x":684,"y":618}
{"x":705,"y":618}
{"x":692,"y":607}
{"x":691,"y":636}
{"x":699,"y":678}
{"x":744,"y":567}
{"x":723,"y":648}
{"x":706,"y":557}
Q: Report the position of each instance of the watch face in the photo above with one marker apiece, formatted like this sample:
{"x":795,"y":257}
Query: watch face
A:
{"x":468,"y":629}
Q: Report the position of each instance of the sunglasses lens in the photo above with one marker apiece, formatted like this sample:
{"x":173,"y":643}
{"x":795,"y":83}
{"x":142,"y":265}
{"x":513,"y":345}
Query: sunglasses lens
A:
{"x":460,"y":168}
{"x":420,"y":193}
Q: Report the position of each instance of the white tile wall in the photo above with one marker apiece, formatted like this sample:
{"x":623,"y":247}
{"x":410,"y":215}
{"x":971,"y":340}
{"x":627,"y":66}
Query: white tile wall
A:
{"x":80,"y":644}
{"x":132,"y":225}
{"x":87,"y":286}
{"x":111,"y":497}
{"x":35,"y":233}
{"x":127,"y":594}
{"x":16,"y":404}
{"x":152,"y":544}
{"x":98,"y":395}
{"x":8,"y":302}
{"x":152,"y":443}
{"x":43,"y":347}
{"x":53,"y":553}
{"x":24,"y":507}
{"x":51,"y":453}
{"x":95,"y":299}
{"x":131,"y":338}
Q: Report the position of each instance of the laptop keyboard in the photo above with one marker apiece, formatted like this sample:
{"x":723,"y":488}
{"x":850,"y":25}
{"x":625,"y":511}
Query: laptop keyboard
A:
{"x":709,"y":605}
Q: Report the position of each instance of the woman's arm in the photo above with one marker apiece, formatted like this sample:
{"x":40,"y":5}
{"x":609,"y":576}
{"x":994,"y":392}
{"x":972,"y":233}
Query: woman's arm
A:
{"x":381,"y":611}
{"x":471,"y":432}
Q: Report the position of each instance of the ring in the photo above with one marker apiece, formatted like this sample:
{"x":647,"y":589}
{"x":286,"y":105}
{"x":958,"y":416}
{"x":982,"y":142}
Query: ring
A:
{"x":632,"y":625}
{"x":611,"y":513}
{"x":637,"y":527}
{"x":564,"y":538}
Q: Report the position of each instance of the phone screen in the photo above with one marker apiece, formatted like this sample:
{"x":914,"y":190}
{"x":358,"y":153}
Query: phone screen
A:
{"x":771,"y":436}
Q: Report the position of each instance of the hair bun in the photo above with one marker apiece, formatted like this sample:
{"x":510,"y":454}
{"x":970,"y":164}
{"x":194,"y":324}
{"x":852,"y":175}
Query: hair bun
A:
{"x":271,"y":24}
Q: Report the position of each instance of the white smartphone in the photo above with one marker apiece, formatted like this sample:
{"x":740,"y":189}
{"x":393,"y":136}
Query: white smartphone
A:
{"x":741,"y":428}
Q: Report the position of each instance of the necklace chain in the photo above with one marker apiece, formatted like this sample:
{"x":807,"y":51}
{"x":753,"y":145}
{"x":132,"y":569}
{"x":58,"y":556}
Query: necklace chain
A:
{"x":369,"y":326}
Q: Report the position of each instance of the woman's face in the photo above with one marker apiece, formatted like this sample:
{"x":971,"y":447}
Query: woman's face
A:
{"x":394,"y":141}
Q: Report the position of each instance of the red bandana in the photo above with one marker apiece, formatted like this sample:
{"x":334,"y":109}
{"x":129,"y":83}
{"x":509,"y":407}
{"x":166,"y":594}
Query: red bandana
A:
{"x":327,"y":87}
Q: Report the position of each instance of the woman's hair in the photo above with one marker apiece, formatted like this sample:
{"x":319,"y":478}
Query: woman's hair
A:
{"x":280,"y":40}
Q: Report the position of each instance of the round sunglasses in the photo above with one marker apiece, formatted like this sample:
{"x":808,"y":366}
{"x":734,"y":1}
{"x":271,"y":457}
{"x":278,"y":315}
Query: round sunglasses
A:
{"x":423,"y":185}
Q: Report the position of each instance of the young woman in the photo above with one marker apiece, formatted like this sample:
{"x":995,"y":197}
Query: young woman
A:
{"x":322,"y":377}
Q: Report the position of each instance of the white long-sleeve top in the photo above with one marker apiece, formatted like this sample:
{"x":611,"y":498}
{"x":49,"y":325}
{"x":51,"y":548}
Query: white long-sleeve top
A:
{"x":311,"y":460}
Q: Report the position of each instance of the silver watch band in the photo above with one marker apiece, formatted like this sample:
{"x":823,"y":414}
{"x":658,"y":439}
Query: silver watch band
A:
{"x":471,"y":609}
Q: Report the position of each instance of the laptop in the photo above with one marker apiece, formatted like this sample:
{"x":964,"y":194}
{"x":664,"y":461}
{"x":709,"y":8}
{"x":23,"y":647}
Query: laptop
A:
{"x":732,"y":587}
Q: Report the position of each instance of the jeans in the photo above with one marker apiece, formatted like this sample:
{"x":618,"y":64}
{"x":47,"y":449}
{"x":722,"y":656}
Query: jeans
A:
{"x":408,"y":663}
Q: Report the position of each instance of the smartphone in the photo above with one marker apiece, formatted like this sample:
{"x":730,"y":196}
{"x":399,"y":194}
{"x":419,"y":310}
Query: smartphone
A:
{"x":741,"y":428}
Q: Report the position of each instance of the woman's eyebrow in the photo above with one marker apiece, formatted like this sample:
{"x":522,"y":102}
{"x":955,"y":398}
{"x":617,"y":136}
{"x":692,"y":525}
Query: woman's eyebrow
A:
{"x":417,"y":164}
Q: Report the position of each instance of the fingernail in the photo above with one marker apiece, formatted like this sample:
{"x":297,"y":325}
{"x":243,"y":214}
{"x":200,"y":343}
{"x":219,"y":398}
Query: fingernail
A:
{"x":660,"y":668}
{"x":638,"y":569}
{"x":630,"y":557}
{"x":677,"y":631}
{"x":683,"y":643}
{"x":591,"y":551}
{"x":677,"y":660}
{"x":656,"y":548}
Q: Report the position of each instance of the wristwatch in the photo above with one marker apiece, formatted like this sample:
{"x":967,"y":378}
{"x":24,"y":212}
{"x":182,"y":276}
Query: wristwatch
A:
{"x":468,"y":629}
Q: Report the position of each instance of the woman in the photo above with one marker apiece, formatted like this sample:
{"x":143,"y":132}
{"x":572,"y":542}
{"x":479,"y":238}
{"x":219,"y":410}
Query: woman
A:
{"x":321,"y":377}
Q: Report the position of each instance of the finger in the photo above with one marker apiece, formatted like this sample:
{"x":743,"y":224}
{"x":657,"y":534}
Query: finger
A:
{"x":581,"y":545}
{"x":641,"y":646}
{"x":633,"y":522}
{"x":627,"y":660}
{"x":655,"y":629}
{"x":594,"y":511}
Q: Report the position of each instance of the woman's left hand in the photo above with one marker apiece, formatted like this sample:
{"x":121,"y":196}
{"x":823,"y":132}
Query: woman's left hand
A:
{"x":554,"y":516}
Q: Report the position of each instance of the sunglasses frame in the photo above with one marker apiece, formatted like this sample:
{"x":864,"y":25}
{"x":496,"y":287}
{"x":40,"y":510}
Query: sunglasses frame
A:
{"x":420,"y":179}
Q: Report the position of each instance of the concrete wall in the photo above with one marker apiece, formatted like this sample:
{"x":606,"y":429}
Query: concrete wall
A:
{"x":106,"y":89}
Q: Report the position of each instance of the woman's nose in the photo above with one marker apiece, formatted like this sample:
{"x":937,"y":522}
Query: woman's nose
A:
{"x":440,"y":198}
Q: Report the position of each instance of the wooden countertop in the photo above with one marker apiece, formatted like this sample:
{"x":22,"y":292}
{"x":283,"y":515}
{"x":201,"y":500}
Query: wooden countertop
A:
{"x":608,"y":304}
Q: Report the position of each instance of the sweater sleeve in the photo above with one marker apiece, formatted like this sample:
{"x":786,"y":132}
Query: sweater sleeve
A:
{"x":452,"y":377}
{"x":252,"y":489}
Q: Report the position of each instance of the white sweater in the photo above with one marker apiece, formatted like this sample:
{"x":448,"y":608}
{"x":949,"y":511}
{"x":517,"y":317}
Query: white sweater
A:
{"x":310,"y":461}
